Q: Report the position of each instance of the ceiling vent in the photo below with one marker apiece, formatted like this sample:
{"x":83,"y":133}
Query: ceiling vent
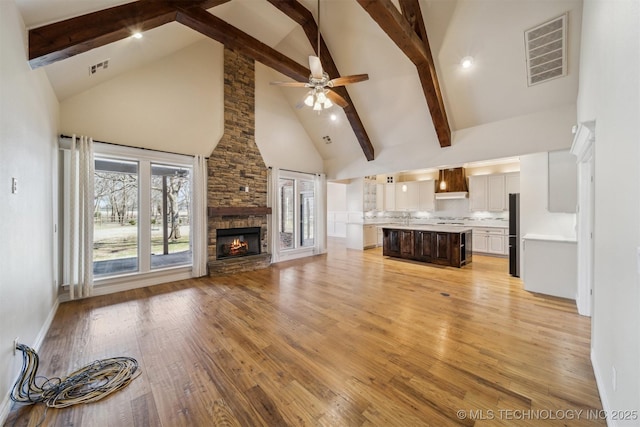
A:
{"x":546,"y":47}
{"x":99,"y":66}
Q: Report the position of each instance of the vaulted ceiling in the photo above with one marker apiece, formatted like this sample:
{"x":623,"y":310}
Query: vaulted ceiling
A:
{"x":416,"y":90}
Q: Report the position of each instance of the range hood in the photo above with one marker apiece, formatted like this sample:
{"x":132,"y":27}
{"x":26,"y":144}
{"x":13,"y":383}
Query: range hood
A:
{"x":451,"y":184}
{"x":452,"y":195}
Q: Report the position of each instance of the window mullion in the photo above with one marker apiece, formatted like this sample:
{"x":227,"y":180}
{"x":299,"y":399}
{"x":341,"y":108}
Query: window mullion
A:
{"x":144,"y":220}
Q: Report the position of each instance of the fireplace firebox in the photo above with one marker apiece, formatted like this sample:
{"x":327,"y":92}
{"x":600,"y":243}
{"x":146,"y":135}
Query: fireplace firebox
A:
{"x":237,"y":242}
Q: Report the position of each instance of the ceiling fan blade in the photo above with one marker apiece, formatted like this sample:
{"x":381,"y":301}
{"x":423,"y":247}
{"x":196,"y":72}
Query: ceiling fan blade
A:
{"x":336,"y":99}
{"x":316,"y":67}
{"x":341,"y":81}
{"x":289,"y":84}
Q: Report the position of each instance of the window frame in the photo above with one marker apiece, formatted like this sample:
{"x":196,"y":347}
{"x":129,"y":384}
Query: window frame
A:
{"x":297,"y":232}
{"x":145,"y":275}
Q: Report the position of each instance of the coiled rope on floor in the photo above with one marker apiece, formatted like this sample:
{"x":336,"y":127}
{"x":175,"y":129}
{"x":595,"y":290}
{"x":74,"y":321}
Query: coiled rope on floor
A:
{"x":88,"y":384}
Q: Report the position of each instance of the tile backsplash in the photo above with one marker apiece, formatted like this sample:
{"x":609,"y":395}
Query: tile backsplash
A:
{"x":453,"y":209}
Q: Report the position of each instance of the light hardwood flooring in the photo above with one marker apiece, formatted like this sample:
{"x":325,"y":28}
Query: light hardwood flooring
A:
{"x":349,"y":338}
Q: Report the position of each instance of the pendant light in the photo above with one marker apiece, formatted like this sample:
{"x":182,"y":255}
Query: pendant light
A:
{"x":443,"y":184}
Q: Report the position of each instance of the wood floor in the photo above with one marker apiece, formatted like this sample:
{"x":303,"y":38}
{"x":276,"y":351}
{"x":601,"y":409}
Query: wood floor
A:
{"x":345,"y":339}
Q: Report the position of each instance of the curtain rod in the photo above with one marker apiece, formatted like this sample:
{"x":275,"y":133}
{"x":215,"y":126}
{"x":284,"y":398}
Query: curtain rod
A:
{"x":139,"y":148}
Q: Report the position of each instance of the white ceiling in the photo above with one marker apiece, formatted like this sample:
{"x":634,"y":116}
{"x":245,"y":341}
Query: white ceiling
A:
{"x":391,"y":103}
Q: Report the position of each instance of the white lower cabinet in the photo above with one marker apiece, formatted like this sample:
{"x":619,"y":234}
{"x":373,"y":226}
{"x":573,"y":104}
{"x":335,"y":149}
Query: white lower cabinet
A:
{"x":370,"y":237}
{"x":490,"y":240}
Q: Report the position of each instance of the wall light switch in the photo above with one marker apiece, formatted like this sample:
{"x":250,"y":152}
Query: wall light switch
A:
{"x":14,"y":185}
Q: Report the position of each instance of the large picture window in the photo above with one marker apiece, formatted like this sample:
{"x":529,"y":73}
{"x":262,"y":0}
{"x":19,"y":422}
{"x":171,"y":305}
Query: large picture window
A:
{"x":142,"y":212}
{"x":117,"y":246}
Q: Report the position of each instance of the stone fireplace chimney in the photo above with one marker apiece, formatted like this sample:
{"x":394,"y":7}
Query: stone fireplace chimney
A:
{"x":237,"y":174}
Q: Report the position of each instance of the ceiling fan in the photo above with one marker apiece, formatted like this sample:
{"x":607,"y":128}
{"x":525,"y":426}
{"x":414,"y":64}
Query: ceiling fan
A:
{"x":320,"y":95}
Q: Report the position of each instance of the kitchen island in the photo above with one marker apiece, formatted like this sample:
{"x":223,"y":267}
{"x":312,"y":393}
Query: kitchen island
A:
{"x":442,"y":245}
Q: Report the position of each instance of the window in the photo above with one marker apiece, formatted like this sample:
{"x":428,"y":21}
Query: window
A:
{"x":298,"y":220}
{"x":170,"y":216}
{"x":142,"y":215}
{"x":117,"y":243}
{"x":115,"y":225}
{"x":297,"y":213}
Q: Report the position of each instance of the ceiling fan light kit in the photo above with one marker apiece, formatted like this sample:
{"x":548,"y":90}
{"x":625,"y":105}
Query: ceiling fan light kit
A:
{"x":321,"y":97}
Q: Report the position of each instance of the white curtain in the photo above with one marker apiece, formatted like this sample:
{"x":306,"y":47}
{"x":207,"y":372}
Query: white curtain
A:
{"x":199,"y":234}
{"x":274,"y":225}
{"x":81,"y":209}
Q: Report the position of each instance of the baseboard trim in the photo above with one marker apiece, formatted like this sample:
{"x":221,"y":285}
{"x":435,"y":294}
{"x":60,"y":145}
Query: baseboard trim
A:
{"x":601,"y":389}
{"x":127,"y":283}
{"x":5,"y":406}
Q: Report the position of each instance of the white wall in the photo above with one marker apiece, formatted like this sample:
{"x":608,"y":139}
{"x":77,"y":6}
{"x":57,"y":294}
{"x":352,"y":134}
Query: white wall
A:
{"x":336,"y":197}
{"x":556,"y":278}
{"x":337,"y":209}
{"x":174,"y":104}
{"x":532,"y":133}
{"x":535,"y":217}
{"x":282,"y":140}
{"x":610,"y":95}
{"x":28,"y":128}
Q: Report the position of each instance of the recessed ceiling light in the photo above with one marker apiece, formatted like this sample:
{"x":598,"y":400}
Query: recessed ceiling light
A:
{"x":137,"y":35}
{"x":466,"y":62}
{"x":333,"y":117}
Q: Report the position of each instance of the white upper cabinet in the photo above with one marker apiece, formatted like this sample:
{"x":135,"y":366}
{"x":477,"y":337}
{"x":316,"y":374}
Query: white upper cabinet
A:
{"x":478,"y":193}
{"x":512,"y":184}
{"x":380,"y":197}
{"x":426,"y":195}
{"x":407,"y":196}
{"x":491,"y":192}
{"x":390,"y":197}
{"x":563,"y":182}
{"x":495,"y":193}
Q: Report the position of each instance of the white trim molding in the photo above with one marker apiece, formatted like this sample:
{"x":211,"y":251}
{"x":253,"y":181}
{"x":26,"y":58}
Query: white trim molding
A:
{"x":583,"y":149}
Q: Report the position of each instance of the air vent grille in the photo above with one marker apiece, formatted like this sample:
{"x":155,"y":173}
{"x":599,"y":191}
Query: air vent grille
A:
{"x":546,"y":47}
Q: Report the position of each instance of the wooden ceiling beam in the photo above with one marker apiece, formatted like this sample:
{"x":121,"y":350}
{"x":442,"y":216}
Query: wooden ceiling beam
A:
{"x":64,"y":39}
{"x":61,"y":40}
{"x":301,"y":15}
{"x":213,"y":27}
{"x":411,"y":38}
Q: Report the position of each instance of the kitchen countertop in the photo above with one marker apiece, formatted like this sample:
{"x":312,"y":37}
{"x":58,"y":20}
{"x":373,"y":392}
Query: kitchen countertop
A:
{"x":433,"y":227}
{"x":549,"y":238}
{"x":432,"y":224}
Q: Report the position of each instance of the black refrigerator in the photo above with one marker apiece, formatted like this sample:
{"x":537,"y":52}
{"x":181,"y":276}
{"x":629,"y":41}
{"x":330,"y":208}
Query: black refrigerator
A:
{"x":514,"y":234}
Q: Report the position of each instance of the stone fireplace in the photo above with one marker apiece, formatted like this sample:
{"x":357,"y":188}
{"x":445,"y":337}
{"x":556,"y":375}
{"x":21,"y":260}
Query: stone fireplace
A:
{"x":237,"y":174}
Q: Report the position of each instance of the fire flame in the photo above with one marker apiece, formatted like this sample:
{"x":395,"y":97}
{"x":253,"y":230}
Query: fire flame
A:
{"x":238,"y":246}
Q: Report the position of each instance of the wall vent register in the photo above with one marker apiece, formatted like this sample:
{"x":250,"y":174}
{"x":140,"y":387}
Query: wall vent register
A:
{"x":546,"y":49}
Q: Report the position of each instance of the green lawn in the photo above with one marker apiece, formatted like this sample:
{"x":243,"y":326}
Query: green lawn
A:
{"x":114,"y":241}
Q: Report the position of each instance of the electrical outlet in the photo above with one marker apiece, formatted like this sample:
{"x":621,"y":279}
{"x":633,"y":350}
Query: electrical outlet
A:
{"x":15,"y":345}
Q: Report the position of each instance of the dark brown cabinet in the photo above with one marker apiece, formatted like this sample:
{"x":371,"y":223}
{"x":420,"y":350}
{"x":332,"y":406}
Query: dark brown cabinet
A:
{"x":450,"y":248}
{"x":406,"y":243}
{"x":424,"y":244}
{"x":391,"y":242}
